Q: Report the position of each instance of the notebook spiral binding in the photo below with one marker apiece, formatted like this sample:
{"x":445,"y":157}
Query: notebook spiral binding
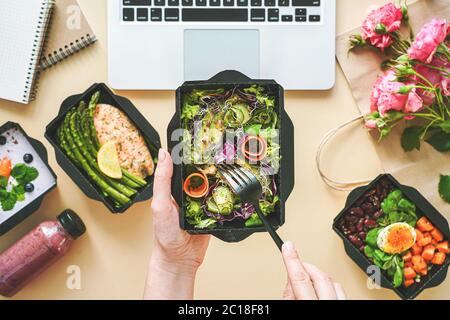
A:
{"x":70,"y":49}
{"x":39,"y":38}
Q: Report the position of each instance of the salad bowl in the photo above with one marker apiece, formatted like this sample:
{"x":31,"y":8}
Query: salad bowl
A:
{"x":235,"y":230}
{"x":17,"y":146}
{"x":435,"y":271}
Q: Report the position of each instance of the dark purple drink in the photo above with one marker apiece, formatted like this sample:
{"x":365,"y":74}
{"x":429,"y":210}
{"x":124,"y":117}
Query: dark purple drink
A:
{"x":37,"y":250}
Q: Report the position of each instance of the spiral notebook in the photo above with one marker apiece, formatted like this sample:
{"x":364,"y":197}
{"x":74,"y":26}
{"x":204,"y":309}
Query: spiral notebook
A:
{"x":23,"y":26}
{"x":69,"y":33}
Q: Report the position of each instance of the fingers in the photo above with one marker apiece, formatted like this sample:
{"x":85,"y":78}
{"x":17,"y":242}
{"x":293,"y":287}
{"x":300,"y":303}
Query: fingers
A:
{"x":300,"y":281}
{"x":288,"y":294}
{"x":340,"y":293}
{"x":322,"y":283}
{"x":162,"y":195}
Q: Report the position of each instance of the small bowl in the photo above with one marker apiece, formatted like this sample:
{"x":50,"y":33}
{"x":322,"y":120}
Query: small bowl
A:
{"x":18,"y":139}
{"x":79,"y":177}
{"x":436,"y":275}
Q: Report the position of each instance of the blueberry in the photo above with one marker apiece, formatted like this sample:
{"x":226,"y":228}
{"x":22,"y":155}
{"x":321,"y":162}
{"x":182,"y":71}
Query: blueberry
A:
{"x":2,"y":140}
{"x":28,"y":158}
{"x":29,"y":187}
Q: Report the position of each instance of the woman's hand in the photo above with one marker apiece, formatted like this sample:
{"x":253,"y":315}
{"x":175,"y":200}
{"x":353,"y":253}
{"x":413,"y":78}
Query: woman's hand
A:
{"x":306,"y":281}
{"x":176,"y":255}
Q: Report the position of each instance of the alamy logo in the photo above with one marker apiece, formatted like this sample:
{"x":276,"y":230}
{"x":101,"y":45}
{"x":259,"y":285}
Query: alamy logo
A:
{"x":374,"y":280}
{"x":73,"y":21}
{"x":73,"y":281}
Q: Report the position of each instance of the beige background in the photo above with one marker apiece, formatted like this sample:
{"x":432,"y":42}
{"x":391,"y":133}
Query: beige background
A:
{"x":113,"y":254}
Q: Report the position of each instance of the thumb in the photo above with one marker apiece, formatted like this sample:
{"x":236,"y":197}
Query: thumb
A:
{"x":163,"y":178}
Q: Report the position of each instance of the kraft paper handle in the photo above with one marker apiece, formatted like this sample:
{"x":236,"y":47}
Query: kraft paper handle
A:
{"x":335,"y":184}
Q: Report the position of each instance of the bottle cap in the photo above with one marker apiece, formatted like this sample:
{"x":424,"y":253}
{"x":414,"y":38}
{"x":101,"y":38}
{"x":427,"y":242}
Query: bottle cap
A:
{"x":72,"y":223}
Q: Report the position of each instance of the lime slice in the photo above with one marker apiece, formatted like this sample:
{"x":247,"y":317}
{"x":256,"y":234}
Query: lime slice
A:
{"x":108,"y":160}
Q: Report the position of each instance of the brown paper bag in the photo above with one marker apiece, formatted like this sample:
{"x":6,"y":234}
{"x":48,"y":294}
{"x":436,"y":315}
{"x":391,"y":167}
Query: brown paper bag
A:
{"x":361,"y":68}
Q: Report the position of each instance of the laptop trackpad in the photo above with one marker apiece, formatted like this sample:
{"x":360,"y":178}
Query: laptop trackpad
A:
{"x":208,"y":52}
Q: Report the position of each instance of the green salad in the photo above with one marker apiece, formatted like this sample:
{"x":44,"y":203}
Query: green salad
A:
{"x":236,"y":126}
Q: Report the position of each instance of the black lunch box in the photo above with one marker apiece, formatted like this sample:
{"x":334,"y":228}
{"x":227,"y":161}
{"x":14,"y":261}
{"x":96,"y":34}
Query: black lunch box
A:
{"x":79,"y":177}
{"x":34,"y":205}
{"x":436,"y":275}
{"x":236,"y":231}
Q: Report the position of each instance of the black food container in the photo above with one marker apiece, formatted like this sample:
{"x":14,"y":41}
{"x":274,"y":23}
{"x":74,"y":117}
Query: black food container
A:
{"x":436,"y":275}
{"x":235,"y":231}
{"x":80,"y":177}
{"x":34,"y":205}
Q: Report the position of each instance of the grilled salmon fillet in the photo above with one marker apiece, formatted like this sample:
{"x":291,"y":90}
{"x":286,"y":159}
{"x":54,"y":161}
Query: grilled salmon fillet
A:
{"x":113,"y":125}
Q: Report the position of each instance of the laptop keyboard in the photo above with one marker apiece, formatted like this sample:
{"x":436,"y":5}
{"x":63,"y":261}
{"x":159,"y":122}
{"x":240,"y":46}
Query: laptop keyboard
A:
{"x":270,"y":11}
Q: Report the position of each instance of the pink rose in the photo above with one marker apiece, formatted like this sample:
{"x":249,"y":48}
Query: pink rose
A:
{"x":428,"y":40}
{"x":432,"y":76}
{"x":435,"y":77}
{"x":445,"y":80}
{"x":371,"y":124}
{"x":390,"y":17}
{"x":385,"y":96}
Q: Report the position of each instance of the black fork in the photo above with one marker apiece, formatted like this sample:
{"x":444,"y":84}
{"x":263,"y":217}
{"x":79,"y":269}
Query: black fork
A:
{"x":245,"y":184}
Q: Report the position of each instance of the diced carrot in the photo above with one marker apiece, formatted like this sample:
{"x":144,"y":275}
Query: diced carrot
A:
{"x":416,"y":249}
{"x":443,"y":247}
{"x":426,"y":240}
{"x":408,"y":265}
{"x":407,"y":256}
{"x":439,"y":258}
{"x":409,"y":273}
{"x":419,"y":235}
{"x":409,"y":283}
{"x":437,"y":235}
{"x":418,"y":263}
{"x":428,"y":252}
{"x":423,"y":272}
{"x":424,"y":225}
{"x":434,"y":242}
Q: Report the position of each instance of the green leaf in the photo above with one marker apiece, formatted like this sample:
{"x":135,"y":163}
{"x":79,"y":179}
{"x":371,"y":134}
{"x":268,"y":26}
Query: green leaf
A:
{"x":19,"y":190}
{"x":254,"y":129}
{"x":393,"y":116}
{"x":368,"y":251}
{"x":372,"y":236}
{"x":19,"y":171}
{"x":444,"y":188}
{"x":440,"y":141}
{"x":411,"y":138}
{"x":385,"y":132}
{"x":24,"y":174}
{"x":9,"y":201}
{"x":268,"y":207}
{"x":206,"y":224}
{"x":3,"y":194}
{"x":3,"y":182}
{"x":445,"y":126}
{"x":398,"y":277}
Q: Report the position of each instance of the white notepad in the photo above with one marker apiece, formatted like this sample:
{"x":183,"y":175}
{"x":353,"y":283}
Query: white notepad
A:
{"x":23,"y":26}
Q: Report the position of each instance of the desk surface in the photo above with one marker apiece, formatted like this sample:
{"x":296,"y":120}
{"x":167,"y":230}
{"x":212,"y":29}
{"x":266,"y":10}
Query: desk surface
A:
{"x":113,"y":255}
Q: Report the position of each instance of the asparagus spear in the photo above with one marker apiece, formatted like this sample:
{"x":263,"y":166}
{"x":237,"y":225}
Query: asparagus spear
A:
{"x":141,"y":182}
{"x":63,"y":143}
{"x":84,"y":124}
{"x":85,"y":130}
{"x":99,"y":181}
{"x":93,"y":132}
{"x":74,"y":130}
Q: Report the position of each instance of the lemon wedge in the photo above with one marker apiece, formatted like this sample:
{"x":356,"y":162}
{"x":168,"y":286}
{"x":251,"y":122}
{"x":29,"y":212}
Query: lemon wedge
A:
{"x":108,"y":160}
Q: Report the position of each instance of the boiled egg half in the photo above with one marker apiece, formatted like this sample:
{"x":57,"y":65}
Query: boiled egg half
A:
{"x":396,"y":238}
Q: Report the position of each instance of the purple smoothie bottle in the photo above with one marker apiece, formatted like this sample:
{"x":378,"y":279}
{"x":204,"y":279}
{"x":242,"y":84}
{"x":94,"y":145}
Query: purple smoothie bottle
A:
{"x":37,"y":250}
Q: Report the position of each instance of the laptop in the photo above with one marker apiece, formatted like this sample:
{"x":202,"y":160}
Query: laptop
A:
{"x":159,"y":44}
